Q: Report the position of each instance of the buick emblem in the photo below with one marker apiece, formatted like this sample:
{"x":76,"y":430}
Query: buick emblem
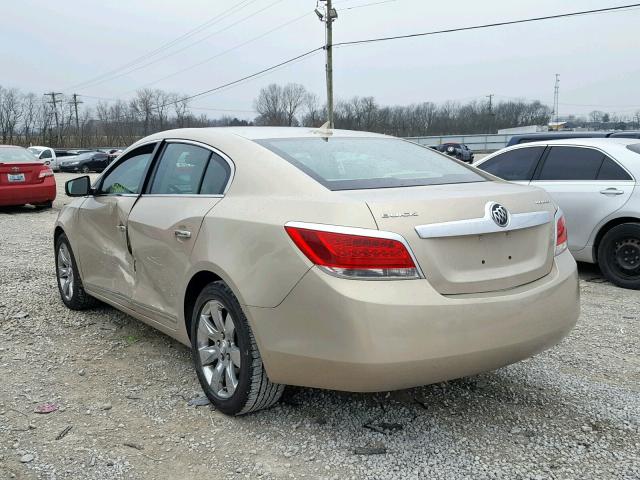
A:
{"x":499,"y":214}
{"x":15,"y":169}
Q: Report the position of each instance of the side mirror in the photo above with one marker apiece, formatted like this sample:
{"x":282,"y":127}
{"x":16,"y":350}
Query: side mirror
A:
{"x":78,"y":187}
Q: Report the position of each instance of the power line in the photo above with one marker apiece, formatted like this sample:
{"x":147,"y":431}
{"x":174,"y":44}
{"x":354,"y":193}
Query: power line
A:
{"x":216,"y":19}
{"x":175,"y":52}
{"x":224,"y":52}
{"x":247,"y":77}
{"x":489,"y":25}
{"x":368,"y":5}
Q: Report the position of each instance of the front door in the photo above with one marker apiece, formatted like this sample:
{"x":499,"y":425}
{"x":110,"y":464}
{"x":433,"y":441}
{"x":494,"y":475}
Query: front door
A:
{"x":187,"y":182}
{"x":104,"y":254}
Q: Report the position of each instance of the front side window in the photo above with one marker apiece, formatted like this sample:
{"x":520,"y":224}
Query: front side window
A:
{"x":353,"y":163}
{"x":128,"y":175}
{"x":571,"y":163}
{"x":180,"y":169}
{"x":514,"y":165}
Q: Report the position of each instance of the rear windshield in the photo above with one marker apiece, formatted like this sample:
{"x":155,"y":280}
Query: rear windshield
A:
{"x":16,"y":155}
{"x":351,"y":163}
{"x":634,"y":147}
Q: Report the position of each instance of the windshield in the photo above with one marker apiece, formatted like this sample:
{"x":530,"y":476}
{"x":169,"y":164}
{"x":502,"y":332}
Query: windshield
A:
{"x":35,"y":151}
{"x":16,"y":155}
{"x":353,"y":163}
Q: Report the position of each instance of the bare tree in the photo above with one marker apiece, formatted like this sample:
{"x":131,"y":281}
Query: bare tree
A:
{"x":270,"y":106}
{"x":293,"y":98}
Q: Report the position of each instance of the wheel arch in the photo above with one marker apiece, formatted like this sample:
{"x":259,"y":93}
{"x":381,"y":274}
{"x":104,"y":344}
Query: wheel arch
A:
{"x":197,"y":282}
{"x":606,"y":227}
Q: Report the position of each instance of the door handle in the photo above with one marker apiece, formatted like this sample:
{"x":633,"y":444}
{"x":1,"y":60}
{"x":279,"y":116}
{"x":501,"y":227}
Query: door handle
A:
{"x":182,"y":233}
{"x":612,"y":191}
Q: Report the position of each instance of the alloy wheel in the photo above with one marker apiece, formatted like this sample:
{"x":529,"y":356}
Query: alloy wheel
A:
{"x":217,"y":347}
{"x":65,"y":272}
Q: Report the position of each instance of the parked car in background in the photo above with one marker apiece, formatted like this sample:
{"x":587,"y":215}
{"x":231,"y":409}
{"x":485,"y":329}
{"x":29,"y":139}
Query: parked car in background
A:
{"x":458,"y":150}
{"x":86,"y":162}
{"x":594,"y":181}
{"x":330,"y":259}
{"x":50,"y":156}
{"x":546,"y":136}
{"x":114,"y":153}
{"x":25,"y":179}
{"x":625,"y":134}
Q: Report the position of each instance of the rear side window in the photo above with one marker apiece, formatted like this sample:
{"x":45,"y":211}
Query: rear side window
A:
{"x":518,"y":164}
{"x":46,"y":154}
{"x":610,"y":170}
{"x":216,"y":177}
{"x":571,"y":163}
{"x":180,"y":169}
{"x":354,"y":163}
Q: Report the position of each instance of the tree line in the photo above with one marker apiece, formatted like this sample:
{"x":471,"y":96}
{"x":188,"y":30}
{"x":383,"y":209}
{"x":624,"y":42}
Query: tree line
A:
{"x":31,"y":119}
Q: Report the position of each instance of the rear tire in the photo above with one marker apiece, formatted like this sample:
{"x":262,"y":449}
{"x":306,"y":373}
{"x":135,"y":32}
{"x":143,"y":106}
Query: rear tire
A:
{"x":45,"y":205}
{"x":69,"y":282}
{"x":226,"y":356}
{"x":619,"y":255}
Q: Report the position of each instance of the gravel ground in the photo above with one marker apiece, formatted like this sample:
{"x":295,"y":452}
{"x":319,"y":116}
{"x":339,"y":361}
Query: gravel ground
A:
{"x":122,"y":393}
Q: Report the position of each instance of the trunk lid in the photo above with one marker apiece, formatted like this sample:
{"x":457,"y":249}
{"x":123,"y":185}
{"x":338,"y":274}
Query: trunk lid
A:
{"x":472,"y":255}
{"x":12,"y":174}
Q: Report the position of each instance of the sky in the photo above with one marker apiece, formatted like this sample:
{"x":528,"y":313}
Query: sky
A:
{"x":70,"y":42}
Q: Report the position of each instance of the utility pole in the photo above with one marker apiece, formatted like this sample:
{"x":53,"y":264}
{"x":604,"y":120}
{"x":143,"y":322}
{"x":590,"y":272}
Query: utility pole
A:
{"x":53,"y":102}
{"x":75,"y":103}
{"x":556,"y":94}
{"x":490,"y":97}
{"x":328,"y":17}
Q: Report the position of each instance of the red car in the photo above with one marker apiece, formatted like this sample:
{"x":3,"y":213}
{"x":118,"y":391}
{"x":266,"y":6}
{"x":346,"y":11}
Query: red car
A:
{"x":25,"y":179}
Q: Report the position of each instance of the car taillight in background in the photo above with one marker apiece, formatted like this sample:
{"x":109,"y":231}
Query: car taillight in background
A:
{"x":354,"y":253}
{"x":45,"y":172}
{"x":561,"y":233}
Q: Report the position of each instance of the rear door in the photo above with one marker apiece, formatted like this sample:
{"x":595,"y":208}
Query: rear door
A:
{"x":103,"y":249}
{"x":189,"y":179}
{"x":588,"y":186}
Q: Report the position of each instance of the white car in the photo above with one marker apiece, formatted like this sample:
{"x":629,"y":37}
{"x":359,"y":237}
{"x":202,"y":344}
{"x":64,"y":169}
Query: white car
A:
{"x":594,"y":181}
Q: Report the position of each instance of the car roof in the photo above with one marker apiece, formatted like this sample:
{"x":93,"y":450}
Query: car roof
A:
{"x":586,"y":141}
{"x":261,"y":133}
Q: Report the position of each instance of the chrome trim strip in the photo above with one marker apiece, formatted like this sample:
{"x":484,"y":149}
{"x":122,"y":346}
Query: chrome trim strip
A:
{"x":480,"y":226}
{"x":364,"y":232}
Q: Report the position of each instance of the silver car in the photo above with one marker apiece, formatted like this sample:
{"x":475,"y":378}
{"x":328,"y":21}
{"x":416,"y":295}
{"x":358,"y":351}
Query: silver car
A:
{"x":594,"y":181}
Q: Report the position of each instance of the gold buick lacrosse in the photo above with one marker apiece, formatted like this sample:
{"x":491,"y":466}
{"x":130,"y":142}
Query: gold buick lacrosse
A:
{"x":322,"y":258}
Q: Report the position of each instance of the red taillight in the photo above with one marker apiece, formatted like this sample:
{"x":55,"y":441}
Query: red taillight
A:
{"x":45,"y":172}
{"x":561,"y":233}
{"x":354,"y":255}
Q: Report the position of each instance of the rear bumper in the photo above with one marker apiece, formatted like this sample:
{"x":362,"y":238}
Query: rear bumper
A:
{"x":376,"y":336}
{"x":21,"y":194}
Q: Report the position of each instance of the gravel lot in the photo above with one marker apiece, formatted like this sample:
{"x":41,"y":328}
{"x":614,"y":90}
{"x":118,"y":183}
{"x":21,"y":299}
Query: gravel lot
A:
{"x":122,"y":392}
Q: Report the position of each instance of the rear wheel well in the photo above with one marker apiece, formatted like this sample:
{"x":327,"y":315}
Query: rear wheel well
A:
{"x":605,"y":228}
{"x":195,"y":286}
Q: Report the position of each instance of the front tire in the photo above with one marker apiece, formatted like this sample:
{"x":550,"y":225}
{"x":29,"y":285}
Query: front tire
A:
{"x":619,"y":255}
{"x":70,"y":286}
{"x":85,"y":169}
{"x":226,"y":356}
